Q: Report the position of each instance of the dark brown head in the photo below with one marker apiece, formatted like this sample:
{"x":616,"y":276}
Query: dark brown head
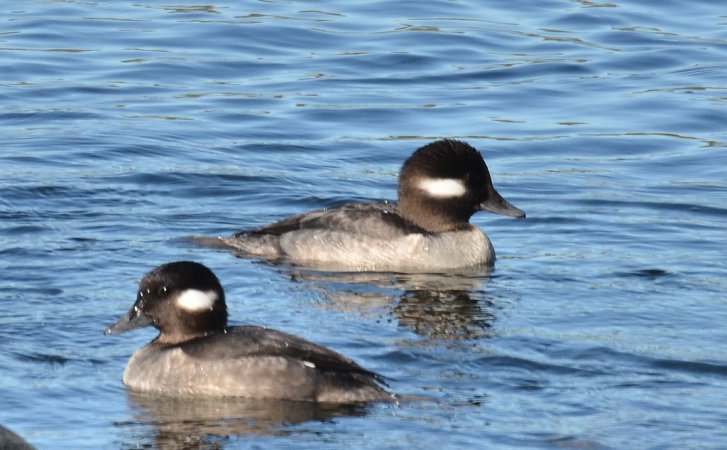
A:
{"x":183,"y":300}
{"x":442,"y":184}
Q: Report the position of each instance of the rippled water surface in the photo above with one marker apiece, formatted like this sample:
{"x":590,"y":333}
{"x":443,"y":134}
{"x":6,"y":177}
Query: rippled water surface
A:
{"x":125,"y":126}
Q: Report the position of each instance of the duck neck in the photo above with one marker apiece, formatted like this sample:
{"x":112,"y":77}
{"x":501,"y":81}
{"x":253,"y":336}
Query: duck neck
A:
{"x":438,"y":218}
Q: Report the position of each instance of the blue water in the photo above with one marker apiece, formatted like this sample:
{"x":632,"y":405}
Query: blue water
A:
{"x":125,"y":126}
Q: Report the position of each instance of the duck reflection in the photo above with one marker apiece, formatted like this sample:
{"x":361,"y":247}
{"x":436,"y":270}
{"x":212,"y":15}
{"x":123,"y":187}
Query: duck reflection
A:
{"x":451,"y":305}
{"x":443,"y":314}
{"x":199,"y":422}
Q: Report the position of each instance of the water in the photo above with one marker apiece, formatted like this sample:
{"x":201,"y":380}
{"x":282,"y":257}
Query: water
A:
{"x":125,"y":126}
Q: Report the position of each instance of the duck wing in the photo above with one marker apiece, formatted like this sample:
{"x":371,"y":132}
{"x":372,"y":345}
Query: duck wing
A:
{"x":251,"y":341}
{"x":380,"y":220}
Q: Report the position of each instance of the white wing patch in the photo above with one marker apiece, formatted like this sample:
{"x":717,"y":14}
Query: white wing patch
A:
{"x":442,"y":187}
{"x":196,"y":300}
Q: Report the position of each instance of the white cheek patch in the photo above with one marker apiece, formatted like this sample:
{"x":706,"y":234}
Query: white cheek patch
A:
{"x":442,"y":187}
{"x":196,"y":300}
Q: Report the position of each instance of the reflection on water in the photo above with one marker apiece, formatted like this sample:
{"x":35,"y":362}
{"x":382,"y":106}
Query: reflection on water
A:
{"x":451,"y":305}
{"x":443,"y":314}
{"x":199,"y":422}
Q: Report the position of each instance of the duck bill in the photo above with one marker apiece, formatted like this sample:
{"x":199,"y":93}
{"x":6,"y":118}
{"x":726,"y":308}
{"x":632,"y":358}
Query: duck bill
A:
{"x":131,"y":321}
{"x":495,"y":203}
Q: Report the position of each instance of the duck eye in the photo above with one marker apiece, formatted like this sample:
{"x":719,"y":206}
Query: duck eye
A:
{"x":163,"y":291}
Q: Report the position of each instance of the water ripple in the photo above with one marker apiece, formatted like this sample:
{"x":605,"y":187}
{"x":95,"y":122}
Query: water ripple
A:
{"x":127,"y":126}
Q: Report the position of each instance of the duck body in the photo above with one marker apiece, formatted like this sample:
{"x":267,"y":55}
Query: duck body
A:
{"x":365,"y":237}
{"x":441,"y":186}
{"x":251,"y":362}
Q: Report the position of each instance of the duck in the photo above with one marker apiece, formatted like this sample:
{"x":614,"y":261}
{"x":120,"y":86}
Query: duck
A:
{"x":441,"y":185}
{"x":197,"y":354}
{"x":11,"y":441}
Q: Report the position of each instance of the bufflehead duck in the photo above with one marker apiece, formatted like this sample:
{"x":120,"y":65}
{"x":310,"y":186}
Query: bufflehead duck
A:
{"x":196,"y":353}
{"x":441,"y":185}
